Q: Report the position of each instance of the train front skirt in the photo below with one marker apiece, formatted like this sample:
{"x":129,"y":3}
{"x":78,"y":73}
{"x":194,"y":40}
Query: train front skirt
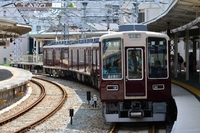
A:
{"x":153,"y":112}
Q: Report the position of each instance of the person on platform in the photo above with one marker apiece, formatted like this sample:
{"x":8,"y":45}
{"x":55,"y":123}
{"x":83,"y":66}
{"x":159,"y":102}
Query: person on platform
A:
{"x":192,"y":63}
{"x":180,"y":61}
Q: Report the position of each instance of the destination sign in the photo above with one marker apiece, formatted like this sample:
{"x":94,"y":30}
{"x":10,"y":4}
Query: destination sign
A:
{"x":134,"y":36}
{"x":36,"y":6}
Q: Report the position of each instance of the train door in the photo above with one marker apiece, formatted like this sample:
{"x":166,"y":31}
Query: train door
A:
{"x":134,"y":71}
{"x":44,"y":57}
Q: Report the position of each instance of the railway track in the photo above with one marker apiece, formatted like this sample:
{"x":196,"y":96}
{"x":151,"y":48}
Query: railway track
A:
{"x":135,"y":127}
{"x":86,"y":118}
{"x":49,"y":99}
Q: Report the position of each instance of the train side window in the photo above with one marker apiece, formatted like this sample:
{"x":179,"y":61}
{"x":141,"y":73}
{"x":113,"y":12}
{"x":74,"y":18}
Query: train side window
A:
{"x":112,"y":59}
{"x":157,"y":58}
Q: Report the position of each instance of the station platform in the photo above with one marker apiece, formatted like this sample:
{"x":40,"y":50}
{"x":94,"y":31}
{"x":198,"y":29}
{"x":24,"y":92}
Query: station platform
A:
{"x":5,"y":74}
{"x":13,"y":85}
{"x":187,"y":98}
{"x":192,"y":85}
{"x":11,"y":77}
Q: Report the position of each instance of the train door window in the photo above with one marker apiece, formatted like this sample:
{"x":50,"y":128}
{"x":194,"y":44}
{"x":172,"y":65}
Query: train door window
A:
{"x":57,"y":54}
{"x":81,"y":57}
{"x":157,"y":58}
{"x":94,"y":56}
{"x":74,"y":54}
{"x":49,"y":54}
{"x":97,"y":58}
{"x":44,"y":54}
{"x":112,"y":58}
{"x":70,"y":57}
{"x":134,"y":63}
{"x":87,"y":56}
{"x":56,"y":57}
{"x":65,"y":57}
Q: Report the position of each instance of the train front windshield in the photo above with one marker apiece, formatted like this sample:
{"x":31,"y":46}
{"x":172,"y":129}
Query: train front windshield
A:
{"x":112,"y":55}
{"x":157,"y":58}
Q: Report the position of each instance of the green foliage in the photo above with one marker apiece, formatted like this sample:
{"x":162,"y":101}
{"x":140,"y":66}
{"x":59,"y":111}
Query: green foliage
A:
{"x":5,"y":65}
{"x":70,"y":4}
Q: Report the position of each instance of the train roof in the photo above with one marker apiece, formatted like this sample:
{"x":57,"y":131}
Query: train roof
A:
{"x":72,"y":42}
{"x":72,"y":45}
{"x":89,"y":42}
{"x":120,"y":34}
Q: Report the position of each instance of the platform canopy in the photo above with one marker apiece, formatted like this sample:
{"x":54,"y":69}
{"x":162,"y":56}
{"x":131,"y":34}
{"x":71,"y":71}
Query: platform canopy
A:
{"x":180,"y":15}
{"x":10,"y":28}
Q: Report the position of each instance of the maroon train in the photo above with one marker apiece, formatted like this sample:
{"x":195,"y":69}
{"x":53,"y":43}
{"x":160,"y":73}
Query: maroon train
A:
{"x":73,"y":59}
{"x":130,"y":68}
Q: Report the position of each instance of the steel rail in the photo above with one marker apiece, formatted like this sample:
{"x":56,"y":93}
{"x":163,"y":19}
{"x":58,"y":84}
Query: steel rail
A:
{"x":30,"y":126}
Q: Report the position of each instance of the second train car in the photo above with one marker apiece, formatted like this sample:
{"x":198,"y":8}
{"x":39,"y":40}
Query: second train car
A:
{"x":130,"y":68}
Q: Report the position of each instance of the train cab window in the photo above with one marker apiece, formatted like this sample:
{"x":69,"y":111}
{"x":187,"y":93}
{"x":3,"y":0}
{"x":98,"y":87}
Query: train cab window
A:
{"x":134,"y":63}
{"x":157,"y":58}
{"x":112,"y":59}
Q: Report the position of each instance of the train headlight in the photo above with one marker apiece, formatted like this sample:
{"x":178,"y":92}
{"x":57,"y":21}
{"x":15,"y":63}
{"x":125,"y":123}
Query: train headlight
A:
{"x":112,"y":88}
{"x":158,"y":86}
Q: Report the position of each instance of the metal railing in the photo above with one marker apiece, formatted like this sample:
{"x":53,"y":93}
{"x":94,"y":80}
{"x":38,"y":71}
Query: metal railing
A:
{"x":29,"y":59}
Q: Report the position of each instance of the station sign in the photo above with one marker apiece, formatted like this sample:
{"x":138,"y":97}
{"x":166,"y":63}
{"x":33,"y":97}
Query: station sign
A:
{"x":33,"y":6}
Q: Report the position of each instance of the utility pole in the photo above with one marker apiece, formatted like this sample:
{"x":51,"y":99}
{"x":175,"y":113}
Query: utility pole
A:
{"x":66,"y":24}
{"x":108,"y":8}
{"x":83,"y":35}
{"x":135,"y":11}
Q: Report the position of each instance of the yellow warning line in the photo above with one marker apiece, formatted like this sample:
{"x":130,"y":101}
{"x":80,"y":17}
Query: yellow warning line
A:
{"x":187,"y":87}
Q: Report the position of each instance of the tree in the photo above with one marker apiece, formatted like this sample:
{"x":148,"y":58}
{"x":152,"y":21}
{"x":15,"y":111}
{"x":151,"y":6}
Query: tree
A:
{"x":70,"y":4}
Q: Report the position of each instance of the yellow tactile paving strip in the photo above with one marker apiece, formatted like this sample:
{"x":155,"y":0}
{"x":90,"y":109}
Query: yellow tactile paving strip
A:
{"x":187,"y":87}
